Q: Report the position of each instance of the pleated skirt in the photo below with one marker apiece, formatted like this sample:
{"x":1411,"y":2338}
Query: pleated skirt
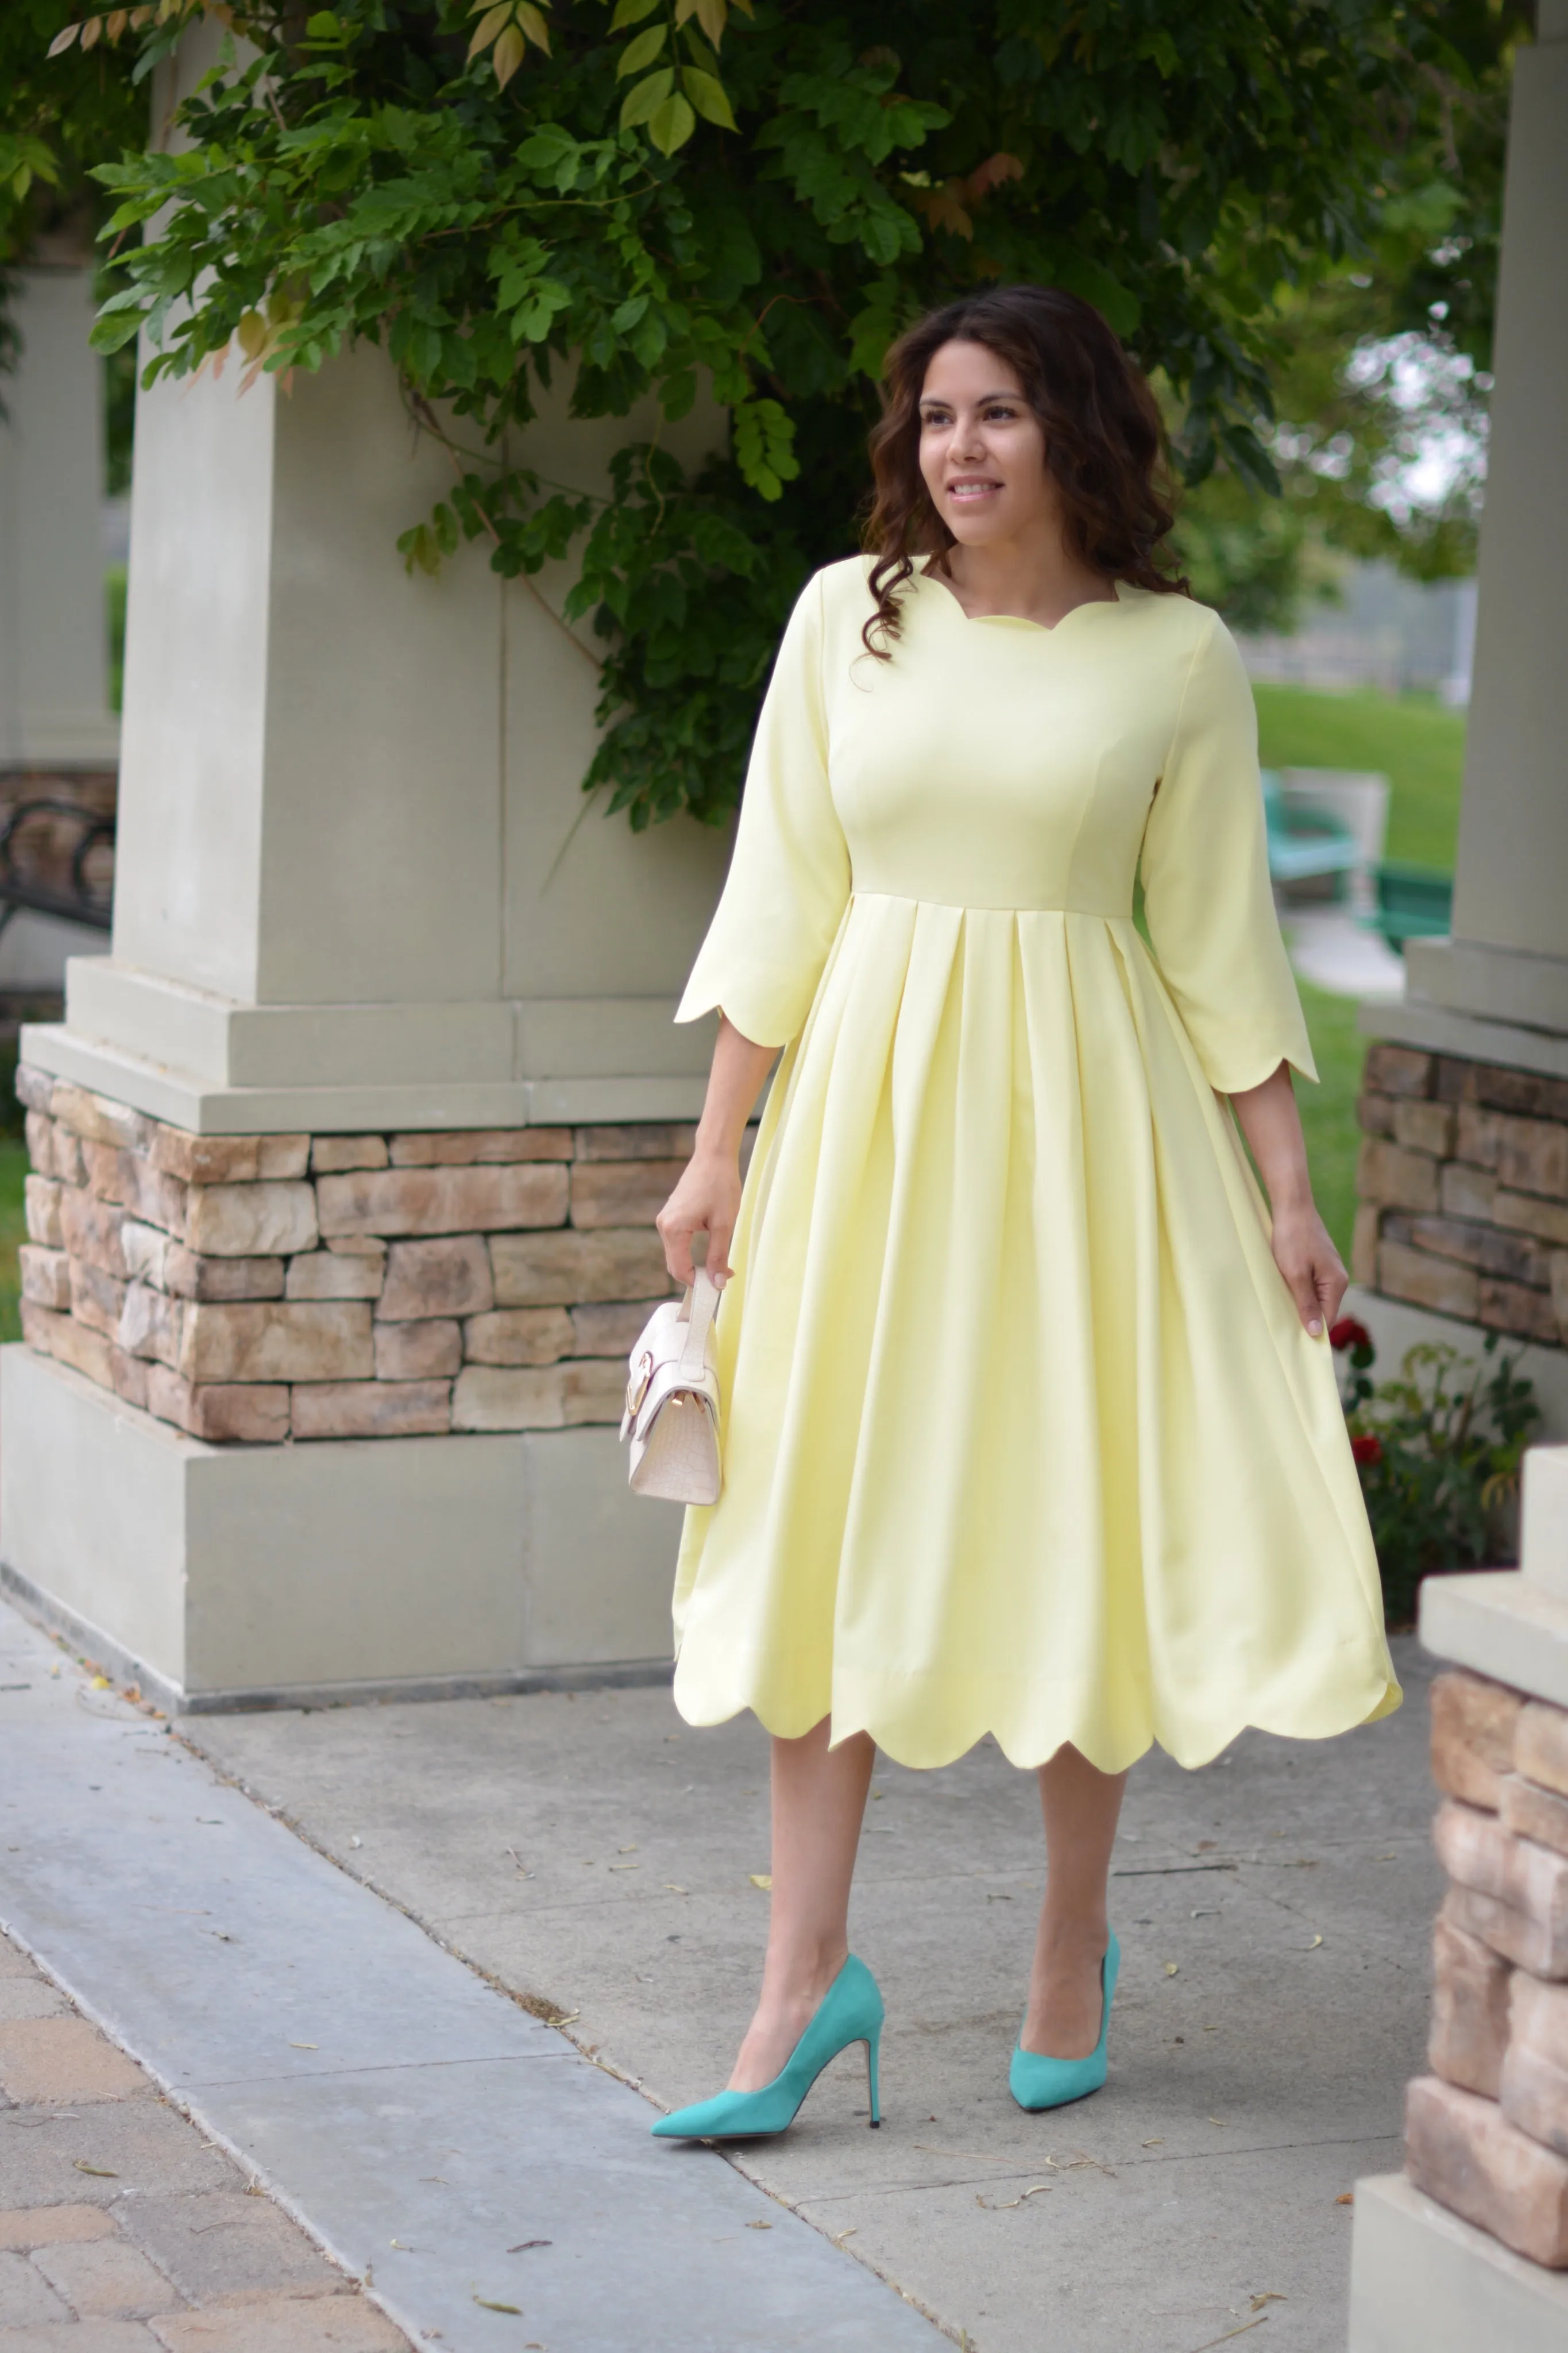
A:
{"x":1022,"y":1432}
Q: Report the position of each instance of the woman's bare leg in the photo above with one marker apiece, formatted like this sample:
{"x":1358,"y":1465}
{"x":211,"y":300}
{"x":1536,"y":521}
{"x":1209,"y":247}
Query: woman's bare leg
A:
{"x":1080,"y":1806}
{"x":819,"y":1797}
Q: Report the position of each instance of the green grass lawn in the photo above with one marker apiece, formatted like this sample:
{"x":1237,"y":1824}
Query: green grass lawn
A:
{"x":13,"y":1229}
{"x":1328,"y":1110}
{"x":1417,"y":741}
{"x":1419,"y":745}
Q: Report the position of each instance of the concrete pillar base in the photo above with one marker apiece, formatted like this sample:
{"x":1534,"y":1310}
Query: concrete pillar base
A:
{"x":1422,"y":2281}
{"x":227,"y":1577}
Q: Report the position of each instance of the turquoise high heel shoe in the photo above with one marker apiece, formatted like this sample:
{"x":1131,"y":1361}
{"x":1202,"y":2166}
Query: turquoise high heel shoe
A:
{"x":1037,"y":2082}
{"x":849,"y":2011}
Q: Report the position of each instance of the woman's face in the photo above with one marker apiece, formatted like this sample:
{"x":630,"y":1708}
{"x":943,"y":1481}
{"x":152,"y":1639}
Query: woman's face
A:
{"x":982,"y":449}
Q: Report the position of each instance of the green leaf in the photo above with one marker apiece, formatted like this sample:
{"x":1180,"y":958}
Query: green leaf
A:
{"x":671,"y":124}
{"x":631,"y":12}
{"x":706,"y":92}
{"x":647,"y":98}
{"x":642,"y":51}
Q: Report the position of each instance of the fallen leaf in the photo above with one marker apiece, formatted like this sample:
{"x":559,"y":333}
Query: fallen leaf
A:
{"x":103,"y":2172}
{"x":763,"y":1879}
{"x":759,"y":2226}
{"x":485,"y":2305}
{"x":1266,"y":2296}
{"x":998,"y":1899}
{"x":1170,"y":1969}
{"x":626,"y":1850}
{"x":1345,"y":2198}
{"x":523,"y":2245}
{"x":624,"y":1866}
{"x":840,"y":2236}
{"x":1007,"y":2204}
{"x":1154,"y":2144}
{"x":674,"y":1889}
{"x":98,"y":1682}
{"x":304,"y":2046}
{"x":1313,"y":1946}
{"x":402,"y":2244}
{"x":517,"y":1860}
{"x":1218,"y":2120}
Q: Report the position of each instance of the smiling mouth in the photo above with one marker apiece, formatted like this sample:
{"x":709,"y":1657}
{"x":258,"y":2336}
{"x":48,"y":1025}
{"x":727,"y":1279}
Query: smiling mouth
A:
{"x":972,"y":488}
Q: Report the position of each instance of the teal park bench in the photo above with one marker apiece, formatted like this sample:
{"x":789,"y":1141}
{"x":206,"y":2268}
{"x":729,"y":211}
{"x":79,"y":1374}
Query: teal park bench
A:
{"x":1413,"y":902}
{"x":1303,"y":843}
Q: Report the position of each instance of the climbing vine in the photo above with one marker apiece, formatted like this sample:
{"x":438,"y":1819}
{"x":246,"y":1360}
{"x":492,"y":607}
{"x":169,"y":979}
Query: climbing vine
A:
{"x":664,"y":196}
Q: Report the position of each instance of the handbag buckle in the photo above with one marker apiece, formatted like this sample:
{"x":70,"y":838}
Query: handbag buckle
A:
{"x":637,"y":1386}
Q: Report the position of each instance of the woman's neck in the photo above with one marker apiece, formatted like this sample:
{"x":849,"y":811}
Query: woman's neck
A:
{"x":1028,"y":580}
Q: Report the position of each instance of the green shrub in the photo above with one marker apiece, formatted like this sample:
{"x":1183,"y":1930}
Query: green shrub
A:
{"x":1438,"y":1452}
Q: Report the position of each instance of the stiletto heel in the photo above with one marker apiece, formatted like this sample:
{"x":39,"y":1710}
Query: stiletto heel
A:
{"x":849,"y":2011}
{"x":1038,"y":2082}
{"x":873,"y":2044}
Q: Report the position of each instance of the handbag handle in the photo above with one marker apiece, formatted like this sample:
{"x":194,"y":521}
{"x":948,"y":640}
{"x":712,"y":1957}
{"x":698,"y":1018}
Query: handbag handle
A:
{"x":698,"y":1310}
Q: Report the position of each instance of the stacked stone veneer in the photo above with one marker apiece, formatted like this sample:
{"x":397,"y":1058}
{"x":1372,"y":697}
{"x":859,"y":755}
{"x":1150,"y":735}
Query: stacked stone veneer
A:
{"x":1463,"y":1188}
{"x":267,"y":1287}
{"x":1487,"y":2133}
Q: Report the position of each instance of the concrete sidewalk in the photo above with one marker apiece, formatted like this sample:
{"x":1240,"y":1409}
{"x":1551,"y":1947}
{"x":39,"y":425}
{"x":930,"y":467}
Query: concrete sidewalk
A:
{"x":488,"y":2184}
{"x":1274,"y":1913}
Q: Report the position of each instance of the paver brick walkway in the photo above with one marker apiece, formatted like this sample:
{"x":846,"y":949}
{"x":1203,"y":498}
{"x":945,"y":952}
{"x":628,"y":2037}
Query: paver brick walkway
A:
{"x":122,"y":2230}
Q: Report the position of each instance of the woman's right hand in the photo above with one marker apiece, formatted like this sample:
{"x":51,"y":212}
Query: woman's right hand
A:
{"x":706,"y":1200}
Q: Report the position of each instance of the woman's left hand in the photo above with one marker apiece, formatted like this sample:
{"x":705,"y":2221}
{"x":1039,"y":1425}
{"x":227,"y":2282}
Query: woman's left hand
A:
{"x":1311,"y":1265}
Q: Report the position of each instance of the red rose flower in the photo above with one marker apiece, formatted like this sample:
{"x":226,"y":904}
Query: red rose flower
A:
{"x":1348,"y":1333}
{"x":1367,"y":1450}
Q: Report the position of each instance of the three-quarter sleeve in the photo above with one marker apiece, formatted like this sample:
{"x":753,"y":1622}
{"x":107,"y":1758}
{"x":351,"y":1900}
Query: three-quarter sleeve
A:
{"x":1207,"y":895}
{"x":789,"y":876}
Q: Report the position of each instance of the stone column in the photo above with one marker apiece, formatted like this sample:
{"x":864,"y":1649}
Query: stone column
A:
{"x":1464,"y":1222}
{"x":356,"y":1137}
{"x":1468,"y":2246}
{"x":58,"y":739}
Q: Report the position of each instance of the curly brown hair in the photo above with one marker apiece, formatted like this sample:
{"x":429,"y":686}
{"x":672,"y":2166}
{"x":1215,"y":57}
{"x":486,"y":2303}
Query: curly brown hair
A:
{"x":1104,"y":443}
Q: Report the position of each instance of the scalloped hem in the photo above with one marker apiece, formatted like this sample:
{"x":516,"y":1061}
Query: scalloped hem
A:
{"x":1191,"y":1744}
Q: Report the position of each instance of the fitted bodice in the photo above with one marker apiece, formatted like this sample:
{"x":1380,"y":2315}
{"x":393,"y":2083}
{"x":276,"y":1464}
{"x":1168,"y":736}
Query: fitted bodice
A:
{"x":994,"y":766}
{"x":995,"y":763}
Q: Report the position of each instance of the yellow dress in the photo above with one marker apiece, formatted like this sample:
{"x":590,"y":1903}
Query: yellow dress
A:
{"x":1022,"y":1432}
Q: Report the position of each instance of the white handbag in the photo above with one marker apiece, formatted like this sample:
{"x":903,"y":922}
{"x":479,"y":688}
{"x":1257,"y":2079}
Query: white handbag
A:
{"x":671,"y":1420}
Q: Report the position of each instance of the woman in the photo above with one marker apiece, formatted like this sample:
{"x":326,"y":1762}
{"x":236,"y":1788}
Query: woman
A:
{"x":1031,"y":1426}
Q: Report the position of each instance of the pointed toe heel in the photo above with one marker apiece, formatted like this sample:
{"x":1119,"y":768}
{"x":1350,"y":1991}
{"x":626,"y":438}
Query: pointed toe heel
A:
{"x":849,"y":2011}
{"x":1038,"y":2082}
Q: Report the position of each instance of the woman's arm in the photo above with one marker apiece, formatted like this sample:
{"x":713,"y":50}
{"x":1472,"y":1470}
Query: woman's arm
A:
{"x":708,"y":1198}
{"x":1302,"y":1251}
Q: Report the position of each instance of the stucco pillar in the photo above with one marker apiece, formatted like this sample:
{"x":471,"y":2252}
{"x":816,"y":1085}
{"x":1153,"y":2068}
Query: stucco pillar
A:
{"x":58,"y":739}
{"x":1464,"y":1186}
{"x":54,"y":676}
{"x":346,"y":1157}
{"x":357,"y":883}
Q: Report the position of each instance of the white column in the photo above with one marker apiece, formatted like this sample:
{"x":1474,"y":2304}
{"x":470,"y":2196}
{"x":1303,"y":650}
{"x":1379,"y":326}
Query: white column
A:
{"x":54,"y":670}
{"x":357,"y":884}
{"x":1499,"y":990}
